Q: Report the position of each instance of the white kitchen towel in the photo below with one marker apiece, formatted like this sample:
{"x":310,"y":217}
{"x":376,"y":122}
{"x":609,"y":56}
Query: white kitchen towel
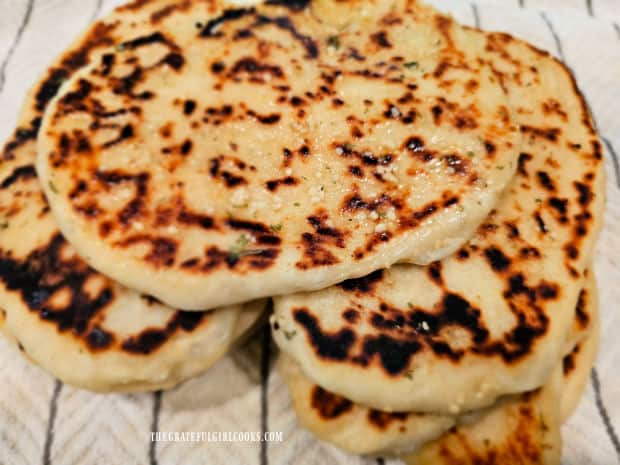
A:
{"x":45,"y":422}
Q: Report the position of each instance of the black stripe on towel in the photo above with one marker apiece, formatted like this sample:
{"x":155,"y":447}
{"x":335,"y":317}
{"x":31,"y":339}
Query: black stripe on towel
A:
{"x":614,"y":159}
{"x":476,"y":14}
{"x":15,"y":43}
{"x":51,"y":419}
{"x":155,"y":427}
{"x":556,"y":37}
{"x":96,"y":11}
{"x":264,"y":388}
{"x":602,"y":410}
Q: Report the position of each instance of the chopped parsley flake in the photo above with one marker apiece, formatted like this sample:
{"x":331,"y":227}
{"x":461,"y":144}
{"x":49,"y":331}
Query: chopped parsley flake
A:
{"x":238,"y":247}
{"x":471,"y":154}
{"x":411,"y":64}
{"x":297,"y":204}
{"x":333,"y":41}
{"x":53,"y":187}
{"x":289,"y":334}
{"x":409,"y":374}
{"x":276,"y":227}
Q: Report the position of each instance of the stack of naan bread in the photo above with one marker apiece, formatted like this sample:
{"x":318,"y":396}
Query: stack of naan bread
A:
{"x":420,"y":200}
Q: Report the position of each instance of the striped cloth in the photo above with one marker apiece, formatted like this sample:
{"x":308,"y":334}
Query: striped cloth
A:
{"x":44,"y":421}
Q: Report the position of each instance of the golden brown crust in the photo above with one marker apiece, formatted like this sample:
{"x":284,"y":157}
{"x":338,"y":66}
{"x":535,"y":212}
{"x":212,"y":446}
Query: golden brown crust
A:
{"x":393,"y":141}
{"x":108,"y":335}
{"x":504,"y":300}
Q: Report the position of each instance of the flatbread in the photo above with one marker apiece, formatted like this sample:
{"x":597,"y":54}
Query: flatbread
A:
{"x":518,"y":431}
{"x":75,"y":323}
{"x":269,"y":152}
{"x":341,"y":422}
{"x":492,"y":319}
{"x":526,"y":433}
{"x":154,"y":348}
{"x":577,"y":365}
{"x":355,"y":428}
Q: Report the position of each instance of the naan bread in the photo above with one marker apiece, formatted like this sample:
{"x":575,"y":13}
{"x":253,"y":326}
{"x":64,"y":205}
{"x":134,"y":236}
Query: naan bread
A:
{"x":77,"y":324}
{"x":133,"y":346}
{"x":492,"y":319}
{"x":355,"y":428}
{"x":577,"y":365}
{"x":341,"y":422}
{"x":521,"y":430}
{"x":267,"y":151}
